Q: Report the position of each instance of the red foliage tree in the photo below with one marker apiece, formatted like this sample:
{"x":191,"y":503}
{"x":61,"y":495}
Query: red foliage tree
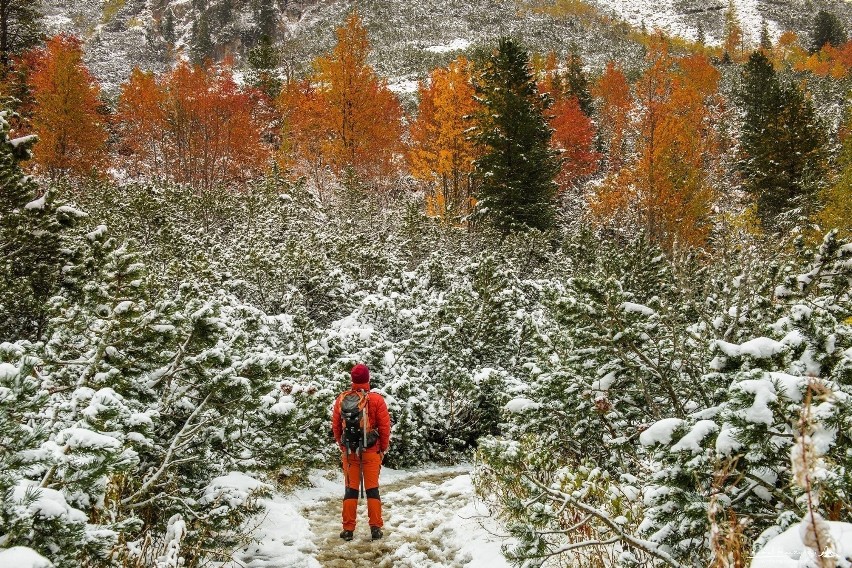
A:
{"x":66,"y":111}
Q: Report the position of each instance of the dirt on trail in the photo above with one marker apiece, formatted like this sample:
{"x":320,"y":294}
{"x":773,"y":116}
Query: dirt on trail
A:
{"x":414,"y":510}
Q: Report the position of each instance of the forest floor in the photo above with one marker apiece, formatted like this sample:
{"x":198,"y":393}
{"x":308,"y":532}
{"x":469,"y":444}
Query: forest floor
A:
{"x":432,"y":519}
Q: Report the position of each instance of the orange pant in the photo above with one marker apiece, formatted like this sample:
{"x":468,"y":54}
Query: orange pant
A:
{"x":352,"y":474}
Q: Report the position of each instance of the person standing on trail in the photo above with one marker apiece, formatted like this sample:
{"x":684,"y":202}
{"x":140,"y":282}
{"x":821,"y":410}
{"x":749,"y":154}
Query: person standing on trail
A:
{"x":361,"y":426}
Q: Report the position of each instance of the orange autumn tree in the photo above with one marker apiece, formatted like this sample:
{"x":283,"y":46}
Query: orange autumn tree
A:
{"x":666,"y":188}
{"x":441,"y":151}
{"x":573,"y":131}
{"x":615,"y":102}
{"x":66,"y":116}
{"x":304,"y":131}
{"x":362,"y":116}
{"x":193,"y":125}
{"x":574,"y":137}
{"x":142,"y":124}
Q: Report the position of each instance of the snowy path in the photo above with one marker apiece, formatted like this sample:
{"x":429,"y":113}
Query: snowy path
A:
{"x":431,"y":520}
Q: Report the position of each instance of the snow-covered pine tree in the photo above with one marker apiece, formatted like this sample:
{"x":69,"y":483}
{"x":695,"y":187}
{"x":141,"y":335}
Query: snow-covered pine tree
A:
{"x":737,"y":450}
{"x":31,"y":242}
{"x":517,"y":166}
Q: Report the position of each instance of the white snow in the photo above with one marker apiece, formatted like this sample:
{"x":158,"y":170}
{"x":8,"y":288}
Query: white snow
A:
{"x":660,"y":432}
{"x":82,"y":438}
{"x":23,"y":557}
{"x":49,"y":503}
{"x":726,"y":442}
{"x":68,"y":210}
{"x":604,"y":382}
{"x":7,"y":371}
{"x":99,"y":231}
{"x":787,"y":550}
{"x":294,"y":528}
{"x":15,"y":142}
{"x":457,"y":44}
{"x":630,"y":307}
{"x":285,"y":405}
{"x":404,"y":86}
{"x":667,"y":15}
{"x":36,"y":204}
{"x":758,"y":348}
{"x":764,"y":394}
{"x":692,"y":440}
{"x":521,"y":405}
{"x":233,"y":489}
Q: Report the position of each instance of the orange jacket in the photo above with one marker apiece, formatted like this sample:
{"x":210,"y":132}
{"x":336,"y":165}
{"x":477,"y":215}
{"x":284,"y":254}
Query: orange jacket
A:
{"x":377,"y":412}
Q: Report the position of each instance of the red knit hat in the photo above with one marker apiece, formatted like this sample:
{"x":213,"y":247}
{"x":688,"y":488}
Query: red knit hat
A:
{"x":360,"y":374}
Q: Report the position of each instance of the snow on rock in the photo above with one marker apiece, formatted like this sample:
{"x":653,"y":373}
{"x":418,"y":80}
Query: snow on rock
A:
{"x":787,"y":550}
{"x":23,"y":557}
{"x":692,"y":440}
{"x":521,"y":405}
{"x":660,"y":432}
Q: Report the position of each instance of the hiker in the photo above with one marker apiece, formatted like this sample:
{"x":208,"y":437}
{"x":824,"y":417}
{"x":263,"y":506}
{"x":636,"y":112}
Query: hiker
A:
{"x":361,"y":426}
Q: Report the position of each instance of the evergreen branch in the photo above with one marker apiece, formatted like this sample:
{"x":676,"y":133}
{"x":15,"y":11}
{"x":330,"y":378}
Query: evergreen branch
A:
{"x":167,"y":458}
{"x":621,"y":535}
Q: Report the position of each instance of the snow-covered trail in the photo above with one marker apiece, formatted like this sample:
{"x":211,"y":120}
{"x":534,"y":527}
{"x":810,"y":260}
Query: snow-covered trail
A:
{"x":431,"y":520}
{"x":416,"y":533}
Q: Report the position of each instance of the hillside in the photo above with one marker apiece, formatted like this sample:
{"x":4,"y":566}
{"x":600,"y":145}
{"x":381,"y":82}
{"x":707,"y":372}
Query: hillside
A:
{"x":408,"y":38}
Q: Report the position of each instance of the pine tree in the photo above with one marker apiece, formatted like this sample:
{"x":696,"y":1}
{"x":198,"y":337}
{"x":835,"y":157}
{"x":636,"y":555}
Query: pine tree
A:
{"x":782,"y":144}
{"x":201,"y":44}
{"x":263,"y":60}
{"x":827,"y":29}
{"x":20,"y":28}
{"x":31,"y":243}
{"x":765,"y":40}
{"x":576,"y":83}
{"x":267,"y":19}
{"x":517,"y":168}
{"x":168,"y":28}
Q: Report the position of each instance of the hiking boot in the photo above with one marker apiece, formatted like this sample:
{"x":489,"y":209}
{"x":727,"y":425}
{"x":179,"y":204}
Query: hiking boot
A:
{"x":347,"y":535}
{"x":376,"y":533}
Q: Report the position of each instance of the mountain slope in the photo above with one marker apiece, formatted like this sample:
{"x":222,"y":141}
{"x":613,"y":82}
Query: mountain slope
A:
{"x":408,"y":38}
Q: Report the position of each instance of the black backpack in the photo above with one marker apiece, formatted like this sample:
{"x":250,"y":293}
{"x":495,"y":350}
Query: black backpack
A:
{"x":357,"y":430}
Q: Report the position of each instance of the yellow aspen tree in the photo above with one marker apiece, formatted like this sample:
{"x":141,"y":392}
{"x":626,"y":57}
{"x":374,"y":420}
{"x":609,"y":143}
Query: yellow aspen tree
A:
{"x":441,"y":151}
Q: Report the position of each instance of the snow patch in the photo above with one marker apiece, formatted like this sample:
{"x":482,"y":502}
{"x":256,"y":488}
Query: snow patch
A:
{"x":23,"y":557}
{"x":630,"y":307}
{"x":457,"y":44}
{"x":787,"y":550}
{"x":660,"y":432}
{"x":692,"y":440}
{"x":521,"y":405}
